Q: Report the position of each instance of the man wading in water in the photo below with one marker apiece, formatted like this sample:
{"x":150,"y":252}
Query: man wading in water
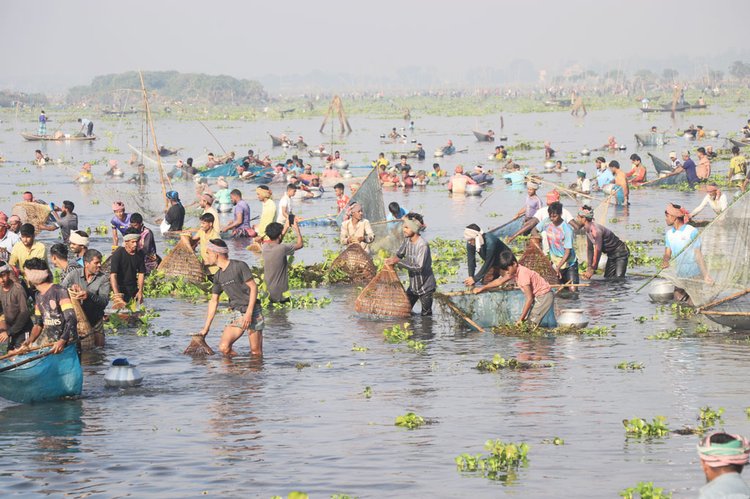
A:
{"x":236,"y":280}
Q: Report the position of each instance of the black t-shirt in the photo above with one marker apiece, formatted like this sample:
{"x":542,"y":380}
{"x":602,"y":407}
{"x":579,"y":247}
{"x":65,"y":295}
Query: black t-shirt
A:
{"x":175,"y":216}
{"x":232,"y":281}
{"x":127,"y":267}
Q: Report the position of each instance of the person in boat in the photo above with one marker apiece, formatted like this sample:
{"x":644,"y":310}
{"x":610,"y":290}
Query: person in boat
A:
{"x":8,"y":239}
{"x":211,"y":161}
{"x":437,"y":171}
{"x":85,"y":176}
{"x":39,"y":158}
{"x":276,"y":261}
{"x":42,"y":124}
{"x":620,"y":188}
{"x":120,"y":222}
{"x":357,"y":229}
{"x":448,"y":148}
{"x":267,"y":214}
{"x":342,"y":200}
{"x":490,"y":135}
{"x":419,"y":152}
{"x":394,"y":134}
{"x":604,"y":175}
{"x":286,"y":206}
{"x":381,"y":161}
{"x":223,"y":195}
{"x":27,"y":248}
{"x":240,"y":224}
{"x":723,"y":456}
{"x":174,"y":218}
{"x":206,"y":233}
{"x":59,"y":257}
{"x":549,"y":153}
{"x":206,"y":203}
{"x":459,"y":180}
{"x":114,"y":169}
{"x":414,"y":255}
{"x":737,"y":169}
{"x":15,"y":316}
{"x":679,"y":234}
{"x":532,"y":203}
{"x":78,"y":245}
{"x":500,"y":153}
{"x":637,"y":174}
{"x":602,"y":241}
{"x":583,"y":185}
{"x":714,"y":198}
{"x":560,"y":236}
{"x":140,"y":177}
{"x":128,"y":270}
{"x":234,"y":278}
{"x":676,"y":163}
{"x":53,"y":310}
{"x":91,"y":288}
{"x":87,"y":127}
{"x":488,"y":247}
{"x":538,"y":295}
{"x":703,"y":170}
{"x":146,"y":243}
{"x":480,"y":176}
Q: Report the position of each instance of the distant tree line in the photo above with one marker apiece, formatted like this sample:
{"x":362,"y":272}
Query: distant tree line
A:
{"x":11,"y":99}
{"x":169,"y":87}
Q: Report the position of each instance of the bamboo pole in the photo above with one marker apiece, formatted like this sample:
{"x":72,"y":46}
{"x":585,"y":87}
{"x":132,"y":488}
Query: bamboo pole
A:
{"x":463,"y":316}
{"x":535,"y":178}
{"x":723,"y":300}
{"x":716,"y":312}
{"x":162,"y":176}
{"x":470,"y":292}
{"x":26,"y":350}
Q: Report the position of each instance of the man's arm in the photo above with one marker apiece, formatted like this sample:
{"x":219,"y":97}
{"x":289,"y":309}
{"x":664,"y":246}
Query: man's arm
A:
{"x":299,"y":243}
{"x":139,"y":295}
{"x":213,"y":304}
{"x":527,"y":293}
{"x":700,"y":207}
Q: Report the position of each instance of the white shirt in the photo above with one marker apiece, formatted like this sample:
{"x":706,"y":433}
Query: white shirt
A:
{"x":718,"y":205}
{"x":284,"y":202}
{"x":541,"y":214}
{"x":10,"y":239}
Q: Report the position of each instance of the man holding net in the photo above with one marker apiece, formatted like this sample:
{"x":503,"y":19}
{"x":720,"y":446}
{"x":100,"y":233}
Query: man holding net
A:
{"x":688,"y":262}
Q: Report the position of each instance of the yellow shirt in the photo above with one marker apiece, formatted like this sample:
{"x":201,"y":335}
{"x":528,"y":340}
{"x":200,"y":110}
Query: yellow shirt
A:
{"x":738,"y":165}
{"x":20,"y":253}
{"x":267,"y":216}
{"x":381,"y":162}
{"x":204,"y":238}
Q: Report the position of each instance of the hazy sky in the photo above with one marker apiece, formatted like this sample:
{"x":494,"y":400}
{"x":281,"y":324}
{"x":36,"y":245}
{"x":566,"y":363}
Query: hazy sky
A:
{"x":51,"y":45}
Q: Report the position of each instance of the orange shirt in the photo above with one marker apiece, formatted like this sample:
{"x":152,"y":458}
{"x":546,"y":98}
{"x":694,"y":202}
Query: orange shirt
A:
{"x":527,"y":277}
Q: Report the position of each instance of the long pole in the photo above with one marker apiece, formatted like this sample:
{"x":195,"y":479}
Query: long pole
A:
{"x":162,"y":176}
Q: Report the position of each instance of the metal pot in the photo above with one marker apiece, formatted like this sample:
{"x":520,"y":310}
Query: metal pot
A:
{"x":661,"y":291}
{"x":572,"y":317}
{"x":473,"y":190}
{"x":341,"y":164}
{"x":122,"y":374}
{"x":585,"y":152}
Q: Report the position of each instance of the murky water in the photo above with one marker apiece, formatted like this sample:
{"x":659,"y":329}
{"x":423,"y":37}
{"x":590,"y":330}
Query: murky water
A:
{"x":256,"y":428}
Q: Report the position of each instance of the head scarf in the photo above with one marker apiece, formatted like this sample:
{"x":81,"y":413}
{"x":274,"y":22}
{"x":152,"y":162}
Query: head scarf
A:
{"x":532,"y":185}
{"x":581,"y":173}
{"x":131,"y":237}
{"x":716,"y":455}
{"x":118,"y":205}
{"x":208,"y":197}
{"x":5,"y":268}
{"x":412,"y":225}
{"x":553,"y":196}
{"x":476,"y":236}
{"x":14,"y":219}
{"x":673,"y":155}
{"x":674,"y":211}
{"x":353,"y":208}
{"x":264,"y":191}
{"x":78,"y":239}
{"x":173,"y":196}
{"x":587,"y":214}
{"x":217,"y":249}
{"x":36,"y":276}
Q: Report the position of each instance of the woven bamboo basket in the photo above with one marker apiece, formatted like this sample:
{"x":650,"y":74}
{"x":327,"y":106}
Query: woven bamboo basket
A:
{"x":535,"y":259}
{"x":356,"y":262}
{"x":85,"y":331}
{"x":34,"y":213}
{"x":182,"y":262}
{"x":384,"y":296}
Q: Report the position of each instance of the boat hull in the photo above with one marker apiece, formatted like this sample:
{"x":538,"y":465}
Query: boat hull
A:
{"x":496,"y":308}
{"x":42,"y":380}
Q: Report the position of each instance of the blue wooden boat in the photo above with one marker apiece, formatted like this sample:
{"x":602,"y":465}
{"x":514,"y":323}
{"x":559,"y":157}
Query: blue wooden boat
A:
{"x":495,"y":308}
{"x":36,"y":377}
{"x":508,"y":229}
{"x":669,"y":180}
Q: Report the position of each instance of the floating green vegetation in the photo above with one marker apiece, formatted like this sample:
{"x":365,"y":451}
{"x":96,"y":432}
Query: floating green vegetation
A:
{"x":294,"y":495}
{"x":157,"y":285}
{"x":133,"y":318}
{"x":403,"y":334}
{"x":501,"y":464}
{"x":301,"y":365}
{"x":357,"y":348}
{"x":701,"y":329}
{"x":645,"y":490}
{"x":553,"y":441}
{"x":367,"y":392}
{"x":641,"y":428}
{"x":708,"y":418}
{"x":630,"y":366}
{"x":529,"y":329}
{"x":498,"y":362}
{"x":306,"y":301}
{"x":639,"y":255}
{"x":669,"y":334}
{"x":678,"y":310}
{"x":410,"y":421}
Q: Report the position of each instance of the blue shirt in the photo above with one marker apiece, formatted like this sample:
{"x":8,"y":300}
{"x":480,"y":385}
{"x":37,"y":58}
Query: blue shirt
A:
{"x":243,"y":209}
{"x":605,"y":178}
{"x":689,"y":167}
{"x":677,"y":240}
{"x":728,"y":485}
{"x":121,"y":225}
{"x":401,"y":214}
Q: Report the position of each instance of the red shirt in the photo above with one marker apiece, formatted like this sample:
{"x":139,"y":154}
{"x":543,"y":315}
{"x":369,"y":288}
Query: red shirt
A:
{"x":342,"y":201}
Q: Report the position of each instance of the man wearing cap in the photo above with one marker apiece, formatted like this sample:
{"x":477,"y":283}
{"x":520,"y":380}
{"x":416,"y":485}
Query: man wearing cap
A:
{"x":723,"y":456}
{"x":602,"y":241}
{"x":8,"y":239}
{"x":676,"y":163}
{"x":15,"y":318}
{"x":679,"y":234}
{"x":240,"y":224}
{"x":583,"y":185}
{"x":91,"y":288}
{"x":414,"y":255}
{"x":175,"y":215}
{"x":459,"y":180}
{"x":120,"y":222}
{"x":714,"y":198}
{"x":621,"y":189}
{"x":357,"y":229}
{"x":236,"y":280}
{"x":79,"y":243}
{"x":128,"y":269}
{"x":703,"y":170}
{"x":27,"y":248}
{"x":206,"y":203}
{"x":488,"y":247}
{"x":604,"y":176}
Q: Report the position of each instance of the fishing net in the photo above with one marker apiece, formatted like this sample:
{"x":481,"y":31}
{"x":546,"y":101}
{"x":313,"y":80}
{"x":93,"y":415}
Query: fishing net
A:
{"x":535,"y":259}
{"x":198,"y":346}
{"x":716,"y":265}
{"x":356,"y":263}
{"x":370,"y":197}
{"x":85,"y":331}
{"x":34,"y":213}
{"x":384,"y":296}
{"x":182,"y":262}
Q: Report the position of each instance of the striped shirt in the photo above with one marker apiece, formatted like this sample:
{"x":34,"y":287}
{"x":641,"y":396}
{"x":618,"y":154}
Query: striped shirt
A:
{"x":416,"y":258}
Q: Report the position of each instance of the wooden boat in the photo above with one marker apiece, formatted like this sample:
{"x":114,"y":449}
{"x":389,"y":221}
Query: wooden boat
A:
{"x":664,"y":109}
{"x":734,"y":313}
{"x":318,"y":154}
{"x":51,"y":138}
{"x":40,"y":376}
{"x":660,"y":165}
{"x":650,"y":139}
{"x":739,"y":143}
{"x":483,"y":137}
{"x":277,"y":141}
{"x":668,"y":180}
{"x":118,"y":113}
{"x":493,"y":308}
{"x":508,"y":229}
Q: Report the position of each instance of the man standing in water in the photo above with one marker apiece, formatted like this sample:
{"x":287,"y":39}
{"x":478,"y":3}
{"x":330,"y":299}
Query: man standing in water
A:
{"x":276,"y":262}
{"x":601,"y":240}
{"x":14,"y":306}
{"x":688,"y":263}
{"x":414,"y":255}
{"x":236,"y":280}
{"x":621,"y":189}
{"x":128,"y":270}
{"x":91,"y":288}
{"x":723,"y":456}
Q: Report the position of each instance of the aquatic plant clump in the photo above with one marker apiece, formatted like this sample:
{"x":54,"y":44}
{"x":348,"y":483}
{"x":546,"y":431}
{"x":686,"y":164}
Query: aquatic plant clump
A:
{"x":638,"y":427}
{"x":630,"y":366}
{"x":501,"y":463}
{"x":403,"y":334}
{"x":498,"y":362}
{"x":645,"y":490}
{"x":410,"y":421}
